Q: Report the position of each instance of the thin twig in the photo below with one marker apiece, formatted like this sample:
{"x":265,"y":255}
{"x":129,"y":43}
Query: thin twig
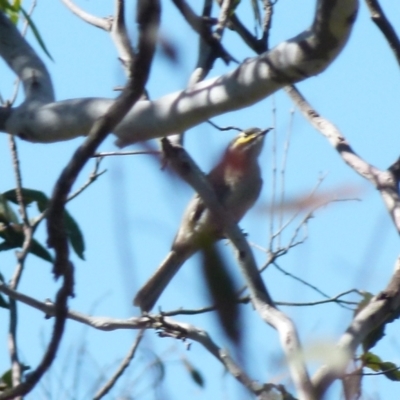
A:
{"x":305,"y":283}
{"x":102,"y":23}
{"x":273,"y":173}
{"x":16,"y":367}
{"x":223,"y":18}
{"x":385,"y":181}
{"x":283,"y":172}
{"x":126,"y":153}
{"x":382,"y":22}
{"x":267,"y":21}
{"x":121,"y":369}
{"x":120,"y":36}
{"x":92,"y":177}
{"x":201,"y":26}
{"x":225,"y":128}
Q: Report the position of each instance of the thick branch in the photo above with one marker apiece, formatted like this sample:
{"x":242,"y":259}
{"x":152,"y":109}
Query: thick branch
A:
{"x":296,"y":59}
{"x":148,"y":19}
{"x":26,"y":64}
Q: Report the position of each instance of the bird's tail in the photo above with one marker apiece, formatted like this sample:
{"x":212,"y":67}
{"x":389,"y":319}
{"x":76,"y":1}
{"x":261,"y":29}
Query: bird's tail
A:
{"x":148,"y":295}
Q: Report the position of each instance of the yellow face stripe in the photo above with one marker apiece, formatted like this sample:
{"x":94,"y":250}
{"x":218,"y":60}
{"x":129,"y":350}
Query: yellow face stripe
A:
{"x":244,"y":139}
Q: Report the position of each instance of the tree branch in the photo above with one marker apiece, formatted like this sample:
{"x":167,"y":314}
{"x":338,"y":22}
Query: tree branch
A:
{"x":148,"y":19}
{"x":385,"y":181}
{"x":291,"y":61}
{"x":381,"y":21}
{"x":166,"y":327}
{"x":102,"y":23}
{"x":121,"y":369}
{"x":26,"y":64}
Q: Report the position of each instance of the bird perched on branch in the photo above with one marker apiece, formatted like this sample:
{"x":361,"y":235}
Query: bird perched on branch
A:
{"x":237,"y":182}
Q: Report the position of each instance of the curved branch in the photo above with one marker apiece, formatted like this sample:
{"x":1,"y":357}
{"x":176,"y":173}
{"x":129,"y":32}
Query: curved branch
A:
{"x":381,"y":21}
{"x":102,"y":23}
{"x":26,"y":64}
{"x":148,"y":20}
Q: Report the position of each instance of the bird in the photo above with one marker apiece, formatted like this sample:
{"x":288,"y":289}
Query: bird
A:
{"x":237,"y":183}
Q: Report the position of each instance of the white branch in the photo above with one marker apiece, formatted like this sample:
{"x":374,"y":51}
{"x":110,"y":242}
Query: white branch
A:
{"x":26,"y":64}
{"x":102,"y":23}
{"x":291,"y":61}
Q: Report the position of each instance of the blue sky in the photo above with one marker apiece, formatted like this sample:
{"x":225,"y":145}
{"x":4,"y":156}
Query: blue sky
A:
{"x":130,"y":215}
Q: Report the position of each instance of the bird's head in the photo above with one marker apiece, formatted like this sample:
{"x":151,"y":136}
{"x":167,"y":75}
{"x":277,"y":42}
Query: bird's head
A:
{"x":247,"y":146}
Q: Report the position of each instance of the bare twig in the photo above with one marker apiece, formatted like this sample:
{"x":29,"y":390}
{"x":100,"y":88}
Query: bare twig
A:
{"x":120,"y":37}
{"x":201,"y":26}
{"x":382,"y":22}
{"x":223,"y":18}
{"x":121,"y":369}
{"x":16,"y":367}
{"x":92,"y":177}
{"x":12,"y":331}
{"x":273,"y":173}
{"x":225,"y":128}
{"x":267,"y":21}
{"x":282,"y":173}
{"x":246,"y":299}
{"x":311,"y":286}
{"x":126,"y":153}
{"x":164,"y":325}
{"x":385,"y":181}
{"x":102,"y":23}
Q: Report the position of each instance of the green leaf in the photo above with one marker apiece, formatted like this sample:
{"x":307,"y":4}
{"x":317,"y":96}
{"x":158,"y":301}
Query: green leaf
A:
{"x":6,"y":379}
{"x":73,"y":231}
{"x":36,"y":33}
{"x":74,"y":235}
{"x":3,"y":302}
{"x":29,"y":196}
{"x":12,"y":10}
{"x":7,"y":215}
{"x":194,"y":373}
{"x":372,"y":361}
{"x":40,"y":251}
{"x":14,"y":237}
{"x":391,"y":371}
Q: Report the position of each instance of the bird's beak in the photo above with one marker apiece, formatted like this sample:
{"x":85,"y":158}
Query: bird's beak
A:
{"x":265,"y":131}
